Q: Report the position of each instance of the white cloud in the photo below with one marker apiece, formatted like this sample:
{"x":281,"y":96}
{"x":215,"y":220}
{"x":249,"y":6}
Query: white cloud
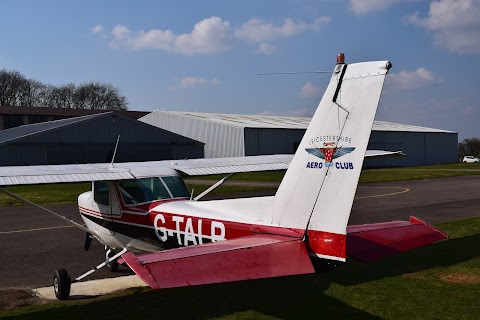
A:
{"x":455,"y":24}
{"x":411,"y":80}
{"x":256,"y":30}
{"x":260,"y":32}
{"x":366,"y":6}
{"x":208,"y":36}
{"x":266,"y":48}
{"x":193,"y":82}
{"x":158,"y":39}
{"x":211,"y":35}
{"x":309,"y":90}
{"x":97,"y":29}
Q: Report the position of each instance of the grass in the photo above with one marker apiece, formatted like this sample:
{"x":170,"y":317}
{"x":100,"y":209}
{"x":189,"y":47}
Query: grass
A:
{"x":46,"y":193}
{"x":68,"y":192}
{"x":374,"y":175}
{"x":269,"y":176}
{"x":439,"y":281}
{"x":421,"y":172}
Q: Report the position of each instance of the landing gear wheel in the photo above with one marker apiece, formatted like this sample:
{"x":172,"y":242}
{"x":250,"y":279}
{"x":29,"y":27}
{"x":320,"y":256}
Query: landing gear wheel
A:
{"x":112,"y":265}
{"x":61,"y":284}
{"x":323,"y":265}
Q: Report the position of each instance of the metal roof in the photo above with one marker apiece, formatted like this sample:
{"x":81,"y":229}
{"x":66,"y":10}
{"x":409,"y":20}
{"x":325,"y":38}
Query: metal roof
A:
{"x":29,"y":129}
{"x":247,"y":121}
{"x":63,"y":112}
{"x":283,"y":122}
{"x":392,"y":126}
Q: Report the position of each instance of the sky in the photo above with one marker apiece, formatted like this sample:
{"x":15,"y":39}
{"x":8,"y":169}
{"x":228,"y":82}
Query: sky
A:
{"x":205,"y":56}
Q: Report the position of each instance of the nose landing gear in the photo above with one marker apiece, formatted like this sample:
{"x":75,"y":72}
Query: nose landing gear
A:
{"x":61,"y":284}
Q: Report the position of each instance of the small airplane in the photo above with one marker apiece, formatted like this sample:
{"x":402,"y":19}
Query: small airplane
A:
{"x":145,"y":216}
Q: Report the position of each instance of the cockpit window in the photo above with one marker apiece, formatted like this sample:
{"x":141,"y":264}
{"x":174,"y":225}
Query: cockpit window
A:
{"x":176,"y":186}
{"x":149,"y":189}
{"x":100,"y":192}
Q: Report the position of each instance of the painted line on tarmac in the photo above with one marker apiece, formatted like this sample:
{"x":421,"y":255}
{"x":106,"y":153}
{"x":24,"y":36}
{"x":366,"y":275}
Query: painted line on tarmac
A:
{"x":37,"y":229}
{"x":403,"y":190}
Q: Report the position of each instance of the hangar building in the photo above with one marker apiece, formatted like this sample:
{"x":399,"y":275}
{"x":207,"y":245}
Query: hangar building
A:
{"x":11,"y":117}
{"x":90,"y":139}
{"x":229,"y":135}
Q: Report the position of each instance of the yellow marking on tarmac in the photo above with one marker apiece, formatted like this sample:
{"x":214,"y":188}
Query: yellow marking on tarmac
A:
{"x":37,"y":229}
{"x":403,"y":190}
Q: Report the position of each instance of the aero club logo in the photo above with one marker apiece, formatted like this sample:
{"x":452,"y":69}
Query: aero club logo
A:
{"x":329,"y":152}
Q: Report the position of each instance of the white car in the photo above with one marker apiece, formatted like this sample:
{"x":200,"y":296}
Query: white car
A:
{"x":470,"y":159}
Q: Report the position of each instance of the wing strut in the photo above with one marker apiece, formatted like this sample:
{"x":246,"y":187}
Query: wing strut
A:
{"x":75,"y":224}
{"x":214,"y":186}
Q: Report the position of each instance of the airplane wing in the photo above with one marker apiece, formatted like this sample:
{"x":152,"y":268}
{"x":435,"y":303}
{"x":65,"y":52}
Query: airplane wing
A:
{"x":17,"y":175}
{"x":371,"y":242}
{"x":251,"y":257}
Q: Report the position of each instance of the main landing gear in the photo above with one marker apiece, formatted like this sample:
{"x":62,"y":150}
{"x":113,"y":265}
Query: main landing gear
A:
{"x":62,"y":281}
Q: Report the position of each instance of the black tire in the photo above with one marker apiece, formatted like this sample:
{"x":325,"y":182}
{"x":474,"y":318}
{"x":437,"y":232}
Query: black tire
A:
{"x":112,"y":265}
{"x":323,"y":265}
{"x":61,"y":284}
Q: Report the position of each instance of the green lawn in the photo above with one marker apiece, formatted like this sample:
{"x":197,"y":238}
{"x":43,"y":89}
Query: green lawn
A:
{"x":374,"y":175}
{"x":439,"y":281}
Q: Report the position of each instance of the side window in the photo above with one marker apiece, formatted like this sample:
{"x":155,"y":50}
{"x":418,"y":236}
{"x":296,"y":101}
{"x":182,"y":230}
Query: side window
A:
{"x":101,"y":192}
{"x":142,"y":190}
{"x":176,"y":186}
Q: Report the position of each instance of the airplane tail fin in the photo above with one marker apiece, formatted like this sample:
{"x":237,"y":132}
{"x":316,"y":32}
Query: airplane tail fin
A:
{"x":317,"y":191}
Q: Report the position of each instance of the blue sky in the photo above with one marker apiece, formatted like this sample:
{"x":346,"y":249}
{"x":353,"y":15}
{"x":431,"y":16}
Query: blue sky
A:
{"x":205,"y":55}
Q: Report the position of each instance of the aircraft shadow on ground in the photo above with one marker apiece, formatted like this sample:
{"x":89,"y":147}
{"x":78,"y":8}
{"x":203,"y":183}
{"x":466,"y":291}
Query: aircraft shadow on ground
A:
{"x":299,"y":297}
{"x":296,"y":297}
{"x":441,"y":254}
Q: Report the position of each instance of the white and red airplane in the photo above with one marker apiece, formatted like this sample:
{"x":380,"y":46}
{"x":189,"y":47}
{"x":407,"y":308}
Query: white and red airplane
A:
{"x":146,"y":218}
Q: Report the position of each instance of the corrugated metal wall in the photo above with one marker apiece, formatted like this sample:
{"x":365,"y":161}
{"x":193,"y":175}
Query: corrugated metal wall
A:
{"x":221,"y":140}
{"x":93,"y":140}
{"x":422,"y":148}
{"x":263,"y":141}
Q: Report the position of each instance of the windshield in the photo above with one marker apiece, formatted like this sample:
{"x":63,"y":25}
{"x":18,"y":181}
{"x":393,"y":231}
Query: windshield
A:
{"x":150,"y":189}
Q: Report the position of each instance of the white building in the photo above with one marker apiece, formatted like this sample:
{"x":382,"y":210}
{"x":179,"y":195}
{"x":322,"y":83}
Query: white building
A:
{"x":231,"y":135}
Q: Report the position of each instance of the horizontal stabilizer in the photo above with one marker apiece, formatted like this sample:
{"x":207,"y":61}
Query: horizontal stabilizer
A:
{"x":375,"y":241}
{"x":252,"y":257}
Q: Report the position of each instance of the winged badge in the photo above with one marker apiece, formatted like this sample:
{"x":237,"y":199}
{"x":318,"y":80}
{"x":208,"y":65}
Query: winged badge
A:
{"x":329,"y":152}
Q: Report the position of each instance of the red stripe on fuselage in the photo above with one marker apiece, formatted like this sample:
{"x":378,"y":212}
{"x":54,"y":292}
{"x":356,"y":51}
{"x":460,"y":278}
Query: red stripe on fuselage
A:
{"x":189,"y":230}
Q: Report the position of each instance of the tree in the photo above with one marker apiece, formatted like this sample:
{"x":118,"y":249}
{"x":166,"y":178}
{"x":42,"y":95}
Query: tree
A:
{"x":469,"y":147}
{"x":11,"y":83}
{"x":61,"y":97}
{"x":32,"y":94}
{"x":99,"y":96}
{"x":16,"y":90}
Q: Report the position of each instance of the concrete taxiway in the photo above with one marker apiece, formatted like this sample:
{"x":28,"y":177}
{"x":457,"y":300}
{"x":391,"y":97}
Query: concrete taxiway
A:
{"x":93,"y":288}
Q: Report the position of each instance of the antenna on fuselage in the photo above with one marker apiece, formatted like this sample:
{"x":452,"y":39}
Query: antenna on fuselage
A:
{"x":293,"y":72}
{"x":114,"y":151}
